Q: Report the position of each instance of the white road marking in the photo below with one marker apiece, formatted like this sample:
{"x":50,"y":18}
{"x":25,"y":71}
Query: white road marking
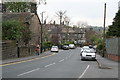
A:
{"x":50,"y":65}
{"x":84,"y":72}
{"x":28,"y":72}
{"x":61,"y":60}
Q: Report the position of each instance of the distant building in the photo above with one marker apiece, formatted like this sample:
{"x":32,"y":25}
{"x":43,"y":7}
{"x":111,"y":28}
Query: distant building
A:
{"x":98,"y":30}
{"x":93,"y":31}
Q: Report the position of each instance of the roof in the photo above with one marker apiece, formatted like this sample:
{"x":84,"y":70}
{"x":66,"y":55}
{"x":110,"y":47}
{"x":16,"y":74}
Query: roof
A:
{"x":23,"y":17}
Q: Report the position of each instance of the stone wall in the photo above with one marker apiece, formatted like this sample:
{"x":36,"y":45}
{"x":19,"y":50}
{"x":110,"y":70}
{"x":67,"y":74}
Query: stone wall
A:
{"x":10,"y":50}
{"x":26,"y":51}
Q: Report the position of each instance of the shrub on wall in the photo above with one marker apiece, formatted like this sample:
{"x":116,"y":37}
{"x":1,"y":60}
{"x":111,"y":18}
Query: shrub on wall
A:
{"x":10,"y":30}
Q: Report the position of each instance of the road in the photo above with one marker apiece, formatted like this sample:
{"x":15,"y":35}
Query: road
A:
{"x":65,"y":64}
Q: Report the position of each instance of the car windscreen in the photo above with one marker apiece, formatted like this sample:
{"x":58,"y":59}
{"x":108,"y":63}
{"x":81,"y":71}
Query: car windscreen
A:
{"x":71,"y":44}
{"x":89,"y":51}
{"x":65,"y":45}
{"x":86,"y":48}
{"x":54,"y":47}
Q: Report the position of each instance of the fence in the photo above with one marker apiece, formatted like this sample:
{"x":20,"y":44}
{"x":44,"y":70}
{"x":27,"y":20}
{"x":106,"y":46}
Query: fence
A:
{"x":113,"y":48}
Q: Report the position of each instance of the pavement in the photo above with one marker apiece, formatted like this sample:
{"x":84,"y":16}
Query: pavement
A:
{"x":105,"y":63}
{"x":7,"y":61}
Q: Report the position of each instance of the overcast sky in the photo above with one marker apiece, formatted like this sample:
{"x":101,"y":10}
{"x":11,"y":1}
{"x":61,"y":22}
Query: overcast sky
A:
{"x":89,"y":11}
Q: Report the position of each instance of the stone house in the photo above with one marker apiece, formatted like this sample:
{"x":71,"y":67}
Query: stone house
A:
{"x":29,"y":19}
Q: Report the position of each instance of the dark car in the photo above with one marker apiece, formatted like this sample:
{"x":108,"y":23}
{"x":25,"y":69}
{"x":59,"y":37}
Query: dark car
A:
{"x":65,"y":47}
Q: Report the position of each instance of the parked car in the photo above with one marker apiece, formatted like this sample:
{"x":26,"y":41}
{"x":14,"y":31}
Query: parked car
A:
{"x":65,"y":47}
{"x":92,"y":48}
{"x":84,"y":48}
{"x":88,"y":54}
{"x":71,"y":46}
{"x":54,"y":49}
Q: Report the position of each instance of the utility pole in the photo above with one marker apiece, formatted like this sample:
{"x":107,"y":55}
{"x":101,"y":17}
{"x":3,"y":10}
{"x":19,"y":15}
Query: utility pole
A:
{"x":41,"y":2}
{"x":104,"y":29}
{"x":41,"y":40}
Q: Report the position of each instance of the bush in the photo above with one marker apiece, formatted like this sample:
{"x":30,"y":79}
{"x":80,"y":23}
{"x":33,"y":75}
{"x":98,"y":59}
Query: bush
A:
{"x":100,"y":47}
{"x":47,"y":44}
{"x":10,"y":30}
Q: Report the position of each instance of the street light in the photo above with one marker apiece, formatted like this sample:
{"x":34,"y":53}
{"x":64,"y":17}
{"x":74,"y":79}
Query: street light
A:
{"x":41,"y":32}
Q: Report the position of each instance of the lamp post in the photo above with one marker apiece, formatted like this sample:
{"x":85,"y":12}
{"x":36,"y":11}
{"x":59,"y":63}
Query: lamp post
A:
{"x":41,"y":40}
{"x":104,"y":28}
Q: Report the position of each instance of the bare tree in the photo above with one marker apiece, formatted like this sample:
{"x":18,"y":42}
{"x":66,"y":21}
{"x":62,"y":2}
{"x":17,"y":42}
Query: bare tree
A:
{"x":67,"y":22}
{"x":60,"y":14}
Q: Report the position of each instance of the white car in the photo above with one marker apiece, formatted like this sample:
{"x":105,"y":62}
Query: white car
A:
{"x":71,"y":46}
{"x":54,"y":49}
{"x":87,"y":48}
{"x":88,"y":54}
{"x":84,"y":48}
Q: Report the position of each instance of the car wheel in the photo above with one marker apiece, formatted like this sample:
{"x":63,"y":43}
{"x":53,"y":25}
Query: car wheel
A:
{"x":94,"y":59}
{"x":82,"y":58}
